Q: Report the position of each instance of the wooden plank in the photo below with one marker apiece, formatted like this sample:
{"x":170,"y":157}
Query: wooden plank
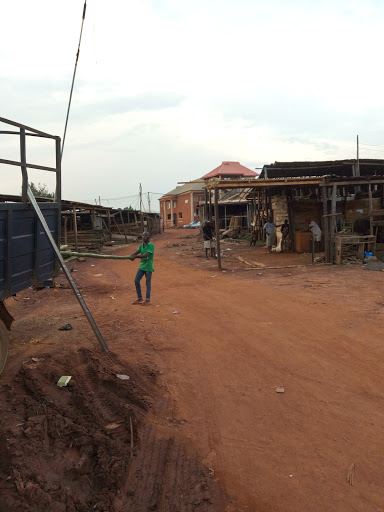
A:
{"x":251,"y":263}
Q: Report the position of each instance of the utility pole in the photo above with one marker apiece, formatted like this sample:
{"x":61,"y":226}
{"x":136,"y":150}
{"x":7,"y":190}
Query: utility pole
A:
{"x":141,"y":209}
{"x":357,"y":157}
{"x":149,"y":203}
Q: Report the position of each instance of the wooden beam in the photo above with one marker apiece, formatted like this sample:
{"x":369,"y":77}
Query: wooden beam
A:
{"x":75,"y":228}
{"x":122,"y":221}
{"x":333,"y":224}
{"x":217,"y":228}
{"x":370,"y":209}
{"x":326,"y":225}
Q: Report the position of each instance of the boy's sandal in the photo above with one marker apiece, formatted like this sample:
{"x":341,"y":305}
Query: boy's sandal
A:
{"x":146,"y":303}
{"x":138,"y":301}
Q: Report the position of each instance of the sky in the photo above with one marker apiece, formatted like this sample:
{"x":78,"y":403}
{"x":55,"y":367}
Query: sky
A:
{"x":166,"y":90}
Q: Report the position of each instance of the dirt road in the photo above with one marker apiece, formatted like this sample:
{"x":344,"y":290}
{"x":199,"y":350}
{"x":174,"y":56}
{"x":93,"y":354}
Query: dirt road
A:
{"x":199,"y":424}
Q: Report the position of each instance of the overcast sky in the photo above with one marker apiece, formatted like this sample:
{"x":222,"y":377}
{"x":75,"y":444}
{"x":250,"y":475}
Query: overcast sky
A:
{"x":166,"y":89}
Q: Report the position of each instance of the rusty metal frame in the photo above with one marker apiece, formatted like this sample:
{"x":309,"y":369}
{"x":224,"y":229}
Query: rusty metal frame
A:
{"x":28,"y":198}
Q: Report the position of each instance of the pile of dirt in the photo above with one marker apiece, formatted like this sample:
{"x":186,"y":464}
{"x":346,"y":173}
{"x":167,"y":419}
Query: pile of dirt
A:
{"x":87,"y":447}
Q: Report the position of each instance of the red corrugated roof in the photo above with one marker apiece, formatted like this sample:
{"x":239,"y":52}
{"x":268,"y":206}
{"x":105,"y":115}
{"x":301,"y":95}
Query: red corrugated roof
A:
{"x":231,"y":169}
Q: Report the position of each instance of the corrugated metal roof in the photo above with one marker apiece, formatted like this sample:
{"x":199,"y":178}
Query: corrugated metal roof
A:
{"x":187,"y":187}
{"x":230,"y":169}
{"x":368,"y":167}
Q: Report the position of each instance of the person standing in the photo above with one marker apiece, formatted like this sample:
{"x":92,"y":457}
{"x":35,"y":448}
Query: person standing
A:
{"x":284,"y":236}
{"x":269,"y":228}
{"x":145,"y":253}
{"x":315,"y":230}
{"x":208,"y":239}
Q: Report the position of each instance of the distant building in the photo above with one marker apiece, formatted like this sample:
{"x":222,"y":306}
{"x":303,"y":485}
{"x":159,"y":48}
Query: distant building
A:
{"x":179,"y":206}
{"x":230,"y":171}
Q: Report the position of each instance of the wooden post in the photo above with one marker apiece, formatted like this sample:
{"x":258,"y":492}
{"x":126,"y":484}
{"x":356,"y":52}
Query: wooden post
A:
{"x":114,"y":220}
{"x":326,"y":225}
{"x":75,"y":228}
{"x":370,"y":210}
{"x":142,"y":222}
{"x":210,"y":205}
{"x":217,"y":227}
{"x":109,"y":225}
{"x":338,"y":250}
{"x":122,"y":221}
{"x":333,"y":224}
{"x":291,"y":221}
{"x":65,"y":230}
{"x":259,"y":210}
{"x":206,"y":205}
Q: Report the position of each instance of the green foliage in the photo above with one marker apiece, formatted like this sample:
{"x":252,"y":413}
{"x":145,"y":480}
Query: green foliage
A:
{"x":41,"y":190}
{"x":128,"y":208}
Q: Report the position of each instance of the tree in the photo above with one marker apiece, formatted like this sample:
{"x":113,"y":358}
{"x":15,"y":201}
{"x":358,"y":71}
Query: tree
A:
{"x":128,"y":208}
{"x":41,"y":190}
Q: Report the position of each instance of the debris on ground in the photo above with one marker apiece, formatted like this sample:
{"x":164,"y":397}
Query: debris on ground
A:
{"x":280,"y":389}
{"x":90,"y":448}
{"x":63,"y":381}
{"x":66,"y":327}
{"x":351,"y":473}
{"x":375,"y":265}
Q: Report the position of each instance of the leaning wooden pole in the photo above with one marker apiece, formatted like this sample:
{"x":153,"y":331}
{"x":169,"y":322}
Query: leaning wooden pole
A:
{"x":66,"y":271}
{"x":217,"y":228}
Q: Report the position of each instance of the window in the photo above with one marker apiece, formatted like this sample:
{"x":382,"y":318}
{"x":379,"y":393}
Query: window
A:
{"x":169,"y":216}
{"x":180,"y":215}
{"x":186,"y":200}
{"x":168,"y":205}
{"x":174,"y":204}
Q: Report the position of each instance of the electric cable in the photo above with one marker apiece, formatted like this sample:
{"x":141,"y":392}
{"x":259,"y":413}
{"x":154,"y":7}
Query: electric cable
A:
{"x":73,"y":79}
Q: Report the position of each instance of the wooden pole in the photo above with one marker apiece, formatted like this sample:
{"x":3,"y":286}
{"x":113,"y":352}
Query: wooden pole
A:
{"x":325,"y":225}
{"x":118,"y":229}
{"x":65,"y":230}
{"x":333,"y":224}
{"x":75,"y":228}
{"x":122,"y":221}
{"x":370,"y":210}
{"x":109,"y":225}
{"x":217,"y":226}
{"x":210,"y":205}
{"x":291,"y":221}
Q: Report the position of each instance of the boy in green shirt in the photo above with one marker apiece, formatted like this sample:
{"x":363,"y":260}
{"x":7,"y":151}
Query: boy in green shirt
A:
{"x":145,"y":253}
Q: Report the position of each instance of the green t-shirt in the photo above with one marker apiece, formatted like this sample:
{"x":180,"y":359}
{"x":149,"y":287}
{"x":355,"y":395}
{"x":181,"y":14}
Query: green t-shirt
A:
{"x":146,"y":264}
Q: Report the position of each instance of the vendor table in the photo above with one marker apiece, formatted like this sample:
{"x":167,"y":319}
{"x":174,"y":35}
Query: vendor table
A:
{"x":358,"y":240}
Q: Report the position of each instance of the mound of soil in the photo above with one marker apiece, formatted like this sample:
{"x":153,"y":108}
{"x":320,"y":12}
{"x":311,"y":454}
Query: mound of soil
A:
{"x":87,"y":447}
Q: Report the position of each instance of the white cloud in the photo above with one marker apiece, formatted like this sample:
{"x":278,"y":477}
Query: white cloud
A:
{"x":167,"y":90}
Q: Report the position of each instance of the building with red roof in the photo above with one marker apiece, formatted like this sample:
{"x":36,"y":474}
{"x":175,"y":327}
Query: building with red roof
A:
{"x":230,"y":171}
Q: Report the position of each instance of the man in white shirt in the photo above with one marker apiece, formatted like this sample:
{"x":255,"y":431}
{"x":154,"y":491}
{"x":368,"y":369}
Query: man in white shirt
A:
{"x":269,"y":228}
{"x":314,"y":228}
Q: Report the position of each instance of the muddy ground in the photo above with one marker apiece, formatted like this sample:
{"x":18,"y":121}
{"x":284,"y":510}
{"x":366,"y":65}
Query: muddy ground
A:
{"x":198,"y":426}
